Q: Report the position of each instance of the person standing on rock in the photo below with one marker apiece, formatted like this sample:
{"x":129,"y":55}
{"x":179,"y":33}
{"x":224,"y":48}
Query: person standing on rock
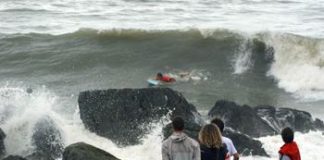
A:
{"x":229,"y":143}
{"x":179,"y":146}
{"x":211,"y":145}
{"x":289,"y":151}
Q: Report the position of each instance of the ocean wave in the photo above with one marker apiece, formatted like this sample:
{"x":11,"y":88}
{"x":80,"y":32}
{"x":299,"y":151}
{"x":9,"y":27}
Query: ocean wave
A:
{"x":24,"y":10}
{"x":295,"y":62}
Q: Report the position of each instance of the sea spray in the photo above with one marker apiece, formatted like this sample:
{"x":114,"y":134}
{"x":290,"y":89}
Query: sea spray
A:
{"x":298,"y":64}
{"x":20,"y":111}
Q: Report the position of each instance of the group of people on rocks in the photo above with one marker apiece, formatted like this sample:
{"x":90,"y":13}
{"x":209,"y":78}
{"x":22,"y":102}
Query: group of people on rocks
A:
{"x":213,"y":146}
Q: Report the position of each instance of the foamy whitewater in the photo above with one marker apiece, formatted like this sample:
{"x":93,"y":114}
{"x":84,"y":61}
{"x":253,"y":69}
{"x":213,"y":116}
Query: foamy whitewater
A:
{"x":253,"y":52}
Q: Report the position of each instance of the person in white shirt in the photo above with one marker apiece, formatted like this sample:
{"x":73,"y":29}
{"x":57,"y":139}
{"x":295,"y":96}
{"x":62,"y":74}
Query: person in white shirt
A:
{"x":230,"y":146}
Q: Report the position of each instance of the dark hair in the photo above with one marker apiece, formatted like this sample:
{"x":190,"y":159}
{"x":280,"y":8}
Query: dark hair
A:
{"x":219,"y":123}
{"x":159,"y":74}
{"x":287,"y":135}
{"x":178,"y":124}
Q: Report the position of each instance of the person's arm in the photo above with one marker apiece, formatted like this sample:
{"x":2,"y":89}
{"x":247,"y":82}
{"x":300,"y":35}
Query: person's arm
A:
{"x":227,"y":157}
{"x":236,"y":156}
{"x":196,"y":154}
{"x":284,"y":157}
{"x":225,"y":152}
{"x":232,"y":151}
{"x":165,"y":155}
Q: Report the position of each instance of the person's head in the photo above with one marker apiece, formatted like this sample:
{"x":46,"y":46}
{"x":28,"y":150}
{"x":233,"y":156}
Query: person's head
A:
{"x":287,"y":135}
{"x":210,"y":136}
{"x":219,"y":123}
{"x":159,"y":75}
{"x":178,"y":124}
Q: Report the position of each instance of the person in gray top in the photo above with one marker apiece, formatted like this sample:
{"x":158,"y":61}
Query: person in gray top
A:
{"x":179,"y":146}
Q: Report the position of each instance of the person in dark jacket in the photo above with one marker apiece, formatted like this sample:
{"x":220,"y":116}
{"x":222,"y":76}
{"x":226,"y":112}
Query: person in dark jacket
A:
{"x":289,"y":151}
{"x":211,"y":145}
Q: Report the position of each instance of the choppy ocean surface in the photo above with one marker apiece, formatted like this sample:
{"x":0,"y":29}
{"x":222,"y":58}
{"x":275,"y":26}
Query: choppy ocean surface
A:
{"x":253,"y":52}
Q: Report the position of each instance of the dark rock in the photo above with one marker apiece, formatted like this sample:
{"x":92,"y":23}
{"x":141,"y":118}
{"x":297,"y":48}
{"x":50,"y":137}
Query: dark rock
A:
{"x":241,"y":118}
{"x":124,"y":115}
{"x":318,"y":124}
{"x":279,"y":118}
{"x":245,"y":145}
{"x":14,"y":158}
{"x":2,"y":146}
{"x":263,"y":120}
{"x":83,"y":151}
{"x":39,"y":156}
{"x":47,"y":140}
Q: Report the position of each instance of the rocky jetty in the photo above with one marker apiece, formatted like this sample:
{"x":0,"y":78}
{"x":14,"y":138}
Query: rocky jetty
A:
{"x":278,"y":118}
{"x":263,"y":120}
{"x":83,"y":151}
{"x":125,"y":116}
{"x":241,"y":118}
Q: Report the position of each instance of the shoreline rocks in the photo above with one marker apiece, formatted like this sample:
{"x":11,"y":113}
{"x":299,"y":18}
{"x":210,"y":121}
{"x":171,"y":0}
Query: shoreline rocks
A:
{"x":83,"y":151}
{"x":12,"y":157}
{"x":124,"y":116}
{"x":263,"y":120}
{"x":241,"y":118}
{"x":47,"y":140}
{"x":2,"y":146}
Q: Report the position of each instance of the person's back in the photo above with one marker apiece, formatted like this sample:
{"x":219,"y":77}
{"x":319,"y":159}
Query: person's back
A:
{"x":230,"y":147}
{"x":211,"y":145}
{"x":213,"y":153}
{"x":229,"y":144}
{"x":289,"y":151}
{"x":179,"y":146}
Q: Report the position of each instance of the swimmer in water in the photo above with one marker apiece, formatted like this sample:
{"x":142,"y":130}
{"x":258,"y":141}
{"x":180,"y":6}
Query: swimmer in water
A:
{"x":164,"y":77}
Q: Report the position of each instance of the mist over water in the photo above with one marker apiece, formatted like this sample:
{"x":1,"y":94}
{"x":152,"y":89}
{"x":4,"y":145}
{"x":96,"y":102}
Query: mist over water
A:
{"x":253,"y":52}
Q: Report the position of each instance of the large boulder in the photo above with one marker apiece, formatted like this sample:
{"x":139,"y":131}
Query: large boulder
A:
{"x":11,"y":157}
{"x":263,"y":120}
{"x":244,"y":144}
{"x":279,"y":118}
{"x":2,"y":146}
{"x":83,"y":151}
{"x":318,"y":124}
{"x":124,"y":115}
{"x":47,"y":140}
{"x":241,"y":118}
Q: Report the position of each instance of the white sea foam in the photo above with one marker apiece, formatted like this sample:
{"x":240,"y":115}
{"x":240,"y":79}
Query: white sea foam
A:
{"x":20,"y":112}
{"x":310,"y":145}
{"x":298,"y":65}
{"x":243,"y":57}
